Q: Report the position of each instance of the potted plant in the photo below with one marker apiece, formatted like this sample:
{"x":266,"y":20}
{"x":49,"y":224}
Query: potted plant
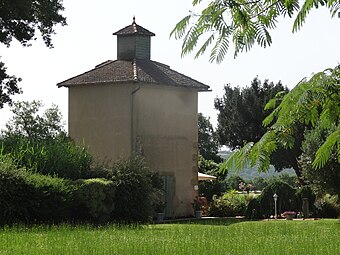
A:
{"x":288,"y":215}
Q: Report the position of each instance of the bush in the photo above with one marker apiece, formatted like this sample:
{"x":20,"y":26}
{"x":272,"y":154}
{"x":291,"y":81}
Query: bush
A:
{"x":254,"y":209}
{"x":285,"y":200}
{"x":15,"y":193}
{"x":53,"y":198}
{"x":94,"y":200}
{"x":58,"y":156}
{"x":328,"y":206}
{"x":228,"y":205}
{"x":305,"y":192}
{"x":30,"y":197}
{"x":209,"y":189}
{"x":135,"y":189}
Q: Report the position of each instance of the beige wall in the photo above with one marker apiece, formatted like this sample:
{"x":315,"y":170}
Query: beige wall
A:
{"x":100,"y":115}
{"x":164,"y":124}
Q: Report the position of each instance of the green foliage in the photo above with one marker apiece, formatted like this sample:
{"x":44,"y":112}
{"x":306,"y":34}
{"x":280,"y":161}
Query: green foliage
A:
{"x":8,"y":86}
{"x":210,"y":167}
{"x":21,"y":19}
{"x":14,"y":193}
{"x":242,"y":23}
{"x":38,"y":142}
{"x":311,"y":103}
{"x":59,"y":156}
{"x":30,"y":197}
{"x":241,"y":112}
{"x":52,"y":198}
{"x":229,"y":205}
{"x":260,"y":182}
{"x":94,"y":200}
{"x":208,"y":189}
{"x":328,"y":206}
{"x":234,"y":181}
{"x":327,"y":178}
{"x":135,"y":188}
{"x":254,"y":209}
{"x":207,"y":140}
{"x":29,"y":122}
{"x":305,"y":192}
{"x":285,"y":200}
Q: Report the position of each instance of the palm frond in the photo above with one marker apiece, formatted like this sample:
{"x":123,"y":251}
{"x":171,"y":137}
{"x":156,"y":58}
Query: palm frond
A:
{"x":181,"y":27}
{"x":220,"y":49}
{"x":304,"y":11}
{"x":334,"y":6}
{"x":325,"y":151}
{"x":238,"y":159}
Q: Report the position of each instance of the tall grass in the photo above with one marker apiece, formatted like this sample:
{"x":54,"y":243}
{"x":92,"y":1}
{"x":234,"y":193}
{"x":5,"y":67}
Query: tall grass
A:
{"x":199,"y":237}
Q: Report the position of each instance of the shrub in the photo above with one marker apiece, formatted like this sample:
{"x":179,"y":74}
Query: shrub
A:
{"x":228,"y":205}
{"x":234,"y":181}
{"x":305,"y":192}
{"x":53,"y":198}
{"x":31,"y":197}
{"x":15,"y":193}
{"x":210,"y":188}
{"x":328,"y":206}
{"x":254,"y":209}
{"x":135,"y":189}
{"x":58,"y":156}
{"x":285,"y":200}
{"x":94,"y":200}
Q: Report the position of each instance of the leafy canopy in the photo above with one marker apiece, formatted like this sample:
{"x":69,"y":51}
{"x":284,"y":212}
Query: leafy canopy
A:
{"x":242,"y":23}
{"x":23,"y":20}
{"x":28,"y":121}
{"x":240,"y":117}
{"x":241,"y":112}
{"x":207,"y":140}
{"x":313,"y":102}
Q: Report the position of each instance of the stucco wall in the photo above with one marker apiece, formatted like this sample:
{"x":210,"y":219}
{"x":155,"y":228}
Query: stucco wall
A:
{"x":100,"y":116}
{"x":166,"y":125}
{"x":164,"y":129}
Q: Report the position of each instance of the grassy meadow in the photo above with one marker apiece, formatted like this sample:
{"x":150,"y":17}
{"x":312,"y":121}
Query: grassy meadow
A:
{"x":216,"y":236}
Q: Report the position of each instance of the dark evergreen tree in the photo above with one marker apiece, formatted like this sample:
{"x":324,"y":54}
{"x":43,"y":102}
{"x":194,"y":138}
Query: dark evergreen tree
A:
{"x":241,"y":112}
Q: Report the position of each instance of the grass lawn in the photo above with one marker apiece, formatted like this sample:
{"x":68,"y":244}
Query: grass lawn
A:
{"x":218,"y":236}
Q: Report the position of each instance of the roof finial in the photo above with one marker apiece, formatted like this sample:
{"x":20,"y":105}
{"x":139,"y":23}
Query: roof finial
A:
{"x":134,"y":20}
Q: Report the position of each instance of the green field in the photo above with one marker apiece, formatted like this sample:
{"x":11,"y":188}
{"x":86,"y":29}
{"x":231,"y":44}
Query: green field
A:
{"x":218,"y":236}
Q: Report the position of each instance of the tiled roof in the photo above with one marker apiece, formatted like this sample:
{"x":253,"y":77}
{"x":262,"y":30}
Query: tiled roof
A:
{"x":144,"y":71}
{"x":134,"y":29}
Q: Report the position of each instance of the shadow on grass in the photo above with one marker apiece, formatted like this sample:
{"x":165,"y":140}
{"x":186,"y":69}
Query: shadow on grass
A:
{"x":208,"y":221}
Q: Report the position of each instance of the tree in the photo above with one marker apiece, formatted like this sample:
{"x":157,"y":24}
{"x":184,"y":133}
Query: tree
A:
{"x":327,"y":178}
{"x":20,"y":19}
{"x":8,"y":86}
{"x":36,"y":140}
{"x":28,"y":122}
{"x":312,"y":103}
{"x":207,"y":139}
{"x":240,"y":22}
{"x":241,"y":112}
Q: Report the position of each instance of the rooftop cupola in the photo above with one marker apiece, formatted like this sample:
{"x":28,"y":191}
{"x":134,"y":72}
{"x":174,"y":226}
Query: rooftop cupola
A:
{"x":133,"y":42}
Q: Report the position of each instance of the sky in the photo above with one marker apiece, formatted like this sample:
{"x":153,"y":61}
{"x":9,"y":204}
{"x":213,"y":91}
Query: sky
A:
{"x":88,"y":41}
